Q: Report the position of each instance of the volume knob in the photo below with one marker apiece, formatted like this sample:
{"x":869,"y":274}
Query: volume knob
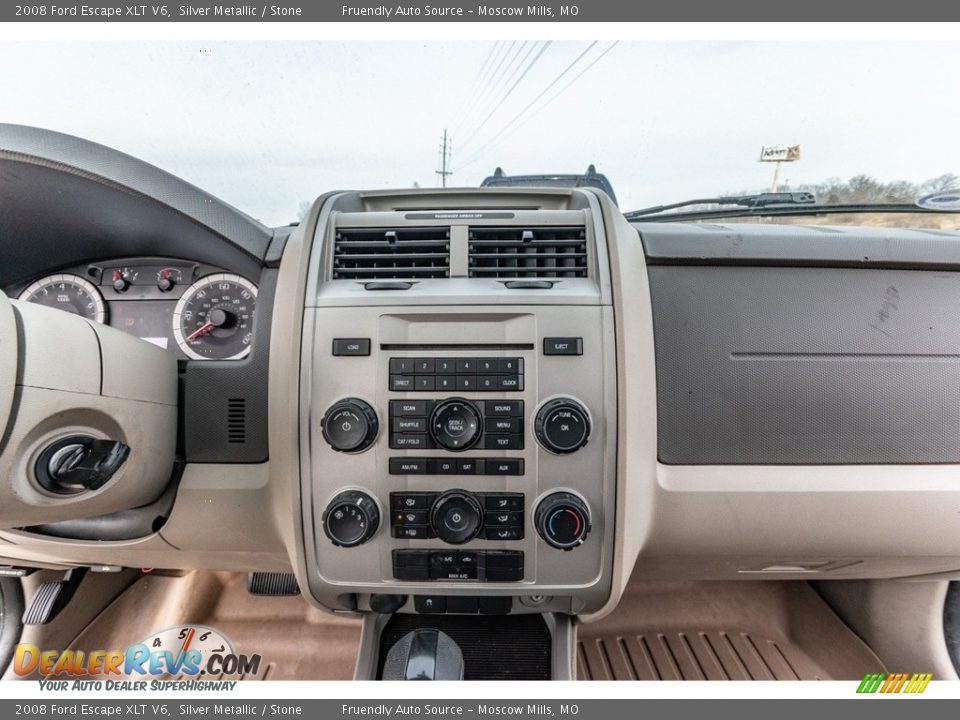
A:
{"x":350,"y":425}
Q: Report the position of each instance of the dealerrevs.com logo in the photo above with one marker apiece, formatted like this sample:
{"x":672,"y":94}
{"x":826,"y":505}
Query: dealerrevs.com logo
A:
{"x":192,"y":651}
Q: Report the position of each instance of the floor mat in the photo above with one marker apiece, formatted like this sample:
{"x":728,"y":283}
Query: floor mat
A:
{"x":295,"y":640}
{"x":722,"y":631}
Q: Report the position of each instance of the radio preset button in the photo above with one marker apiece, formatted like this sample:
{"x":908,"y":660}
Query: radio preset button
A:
{"x":424,"y":365}
{"x":425,"y":383}
{"x":401,"y":366}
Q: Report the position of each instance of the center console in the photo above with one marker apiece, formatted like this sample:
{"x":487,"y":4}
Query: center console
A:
{"x":458,"y":409}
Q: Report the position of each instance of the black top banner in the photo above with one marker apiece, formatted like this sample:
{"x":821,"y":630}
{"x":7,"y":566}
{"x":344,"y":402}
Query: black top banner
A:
{"x":473,"y":11}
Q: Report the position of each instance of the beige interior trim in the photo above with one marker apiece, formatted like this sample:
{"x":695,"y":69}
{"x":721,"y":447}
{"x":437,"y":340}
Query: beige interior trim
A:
{"x":722,"y":631}
{"x":902,"y":621}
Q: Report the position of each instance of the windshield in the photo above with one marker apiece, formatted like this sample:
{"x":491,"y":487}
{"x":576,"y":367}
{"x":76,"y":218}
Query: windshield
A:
{"x":267,"y":126}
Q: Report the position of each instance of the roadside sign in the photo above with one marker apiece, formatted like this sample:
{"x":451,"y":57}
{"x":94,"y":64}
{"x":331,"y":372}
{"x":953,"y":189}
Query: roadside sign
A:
{"x":779,"y":153}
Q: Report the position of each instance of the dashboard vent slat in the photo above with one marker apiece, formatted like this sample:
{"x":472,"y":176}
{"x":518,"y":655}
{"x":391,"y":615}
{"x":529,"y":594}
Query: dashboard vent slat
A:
{"x":236,"y":420}
{"x":391,"y":254}
{"x":518,"y":252}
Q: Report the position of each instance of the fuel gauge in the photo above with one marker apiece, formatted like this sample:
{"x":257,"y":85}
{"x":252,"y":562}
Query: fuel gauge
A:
{"x":122,"y":278}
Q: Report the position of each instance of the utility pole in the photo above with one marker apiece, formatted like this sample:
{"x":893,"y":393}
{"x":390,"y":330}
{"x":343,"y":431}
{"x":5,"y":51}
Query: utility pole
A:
{"x":445,"y":151}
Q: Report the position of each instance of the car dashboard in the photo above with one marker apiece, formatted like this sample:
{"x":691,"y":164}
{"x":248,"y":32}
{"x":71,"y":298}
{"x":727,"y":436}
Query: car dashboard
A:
{"x":501,"y":401}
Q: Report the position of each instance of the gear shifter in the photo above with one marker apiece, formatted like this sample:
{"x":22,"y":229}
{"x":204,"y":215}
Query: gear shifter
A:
{"x":424,"y":654}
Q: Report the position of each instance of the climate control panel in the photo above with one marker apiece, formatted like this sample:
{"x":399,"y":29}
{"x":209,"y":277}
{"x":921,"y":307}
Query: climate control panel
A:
{"x":457,"y":516}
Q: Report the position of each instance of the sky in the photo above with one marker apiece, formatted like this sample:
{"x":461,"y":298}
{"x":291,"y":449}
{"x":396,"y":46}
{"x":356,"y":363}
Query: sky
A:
{"x":268,"y":126}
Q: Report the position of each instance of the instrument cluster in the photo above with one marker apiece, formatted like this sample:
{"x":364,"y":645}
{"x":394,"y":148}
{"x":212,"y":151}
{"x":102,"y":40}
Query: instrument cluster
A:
{"x":198,"y":312}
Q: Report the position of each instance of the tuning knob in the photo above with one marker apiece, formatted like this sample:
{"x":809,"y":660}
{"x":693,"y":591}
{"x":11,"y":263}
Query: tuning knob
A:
{"x":350,"y":425}
{"x":562,"y":426}
{"x":351,"y":518}
{"x":563,"y":520}
{"x":456,"y":517}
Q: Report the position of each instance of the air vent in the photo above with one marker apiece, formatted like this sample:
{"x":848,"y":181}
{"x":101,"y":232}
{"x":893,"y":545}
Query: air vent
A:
{"x":518,"y":252}
{"x":391,"y":254}
{"x":236,"y":420}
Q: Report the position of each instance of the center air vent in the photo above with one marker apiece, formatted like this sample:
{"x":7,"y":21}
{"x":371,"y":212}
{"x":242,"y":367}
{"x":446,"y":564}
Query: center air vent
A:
{"x":518,"y":252}
{"x":391,"y":254}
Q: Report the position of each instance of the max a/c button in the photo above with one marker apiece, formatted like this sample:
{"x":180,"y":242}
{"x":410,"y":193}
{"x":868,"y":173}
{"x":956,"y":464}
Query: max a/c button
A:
{"x":563,"y":346}
{"x":351,"y":346}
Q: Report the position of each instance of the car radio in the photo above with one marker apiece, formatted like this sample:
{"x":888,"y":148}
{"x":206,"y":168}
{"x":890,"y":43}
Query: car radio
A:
{"x":451,"y":446}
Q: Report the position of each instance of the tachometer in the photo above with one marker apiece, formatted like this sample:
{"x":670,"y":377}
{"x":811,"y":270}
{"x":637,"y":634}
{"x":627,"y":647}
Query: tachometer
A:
{"x":70,"y":293}
{"x":214,"y":318}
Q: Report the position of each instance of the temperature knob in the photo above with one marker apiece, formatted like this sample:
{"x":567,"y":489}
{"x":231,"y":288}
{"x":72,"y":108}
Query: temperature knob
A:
{"x":456,"y":517}
{"x":562,"y":426}
{"x":563,"y":520}
{"x":351,"y":518}
{"x":350,"y":425}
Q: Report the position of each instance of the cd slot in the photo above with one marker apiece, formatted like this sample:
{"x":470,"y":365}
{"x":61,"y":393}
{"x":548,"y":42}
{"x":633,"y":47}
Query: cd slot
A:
{"x":429,"y":347}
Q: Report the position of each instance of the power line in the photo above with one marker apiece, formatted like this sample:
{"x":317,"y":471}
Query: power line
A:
{"x":533,"y":102}
{"x":513,"y":87}
{"x":491,"y":86}
{"x":470,"y":96}
{"x":537,"y":98}
{"x":563,"y":89}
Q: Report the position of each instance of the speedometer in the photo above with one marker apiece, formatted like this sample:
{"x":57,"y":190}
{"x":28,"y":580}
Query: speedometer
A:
{"x":67,"y":292}
{"x":214,"y":318}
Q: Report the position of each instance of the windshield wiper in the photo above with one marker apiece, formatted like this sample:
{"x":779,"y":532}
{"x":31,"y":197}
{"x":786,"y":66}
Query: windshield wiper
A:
{"x":760,"y":200}
{"x":783,"y":210}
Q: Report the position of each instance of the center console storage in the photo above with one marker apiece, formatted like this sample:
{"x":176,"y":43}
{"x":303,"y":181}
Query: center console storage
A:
{"x":521,"y":647}
{"x":458,"y":407}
